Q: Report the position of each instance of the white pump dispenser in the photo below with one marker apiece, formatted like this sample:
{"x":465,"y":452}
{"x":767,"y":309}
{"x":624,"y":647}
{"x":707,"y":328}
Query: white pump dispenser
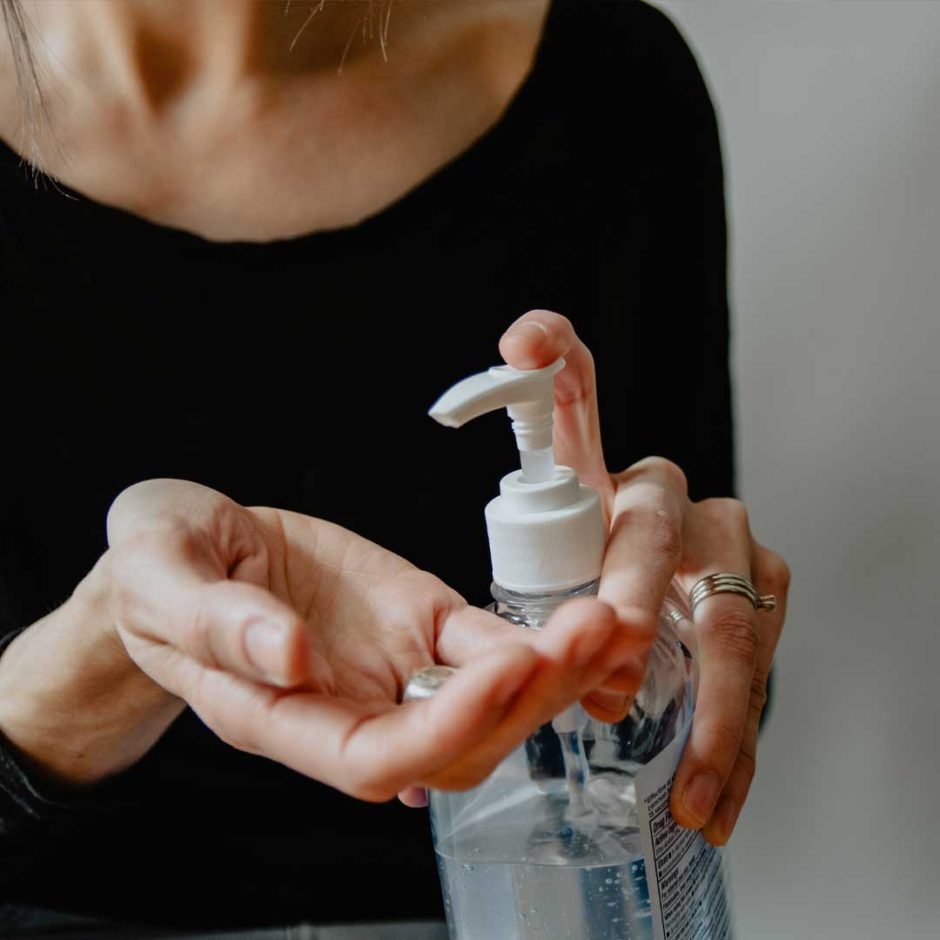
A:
{"x":546,"y":529}
{"x":570,"y":835}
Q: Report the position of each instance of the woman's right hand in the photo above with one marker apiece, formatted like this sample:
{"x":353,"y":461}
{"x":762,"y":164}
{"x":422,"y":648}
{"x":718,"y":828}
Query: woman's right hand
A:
{"x":293,"y":638}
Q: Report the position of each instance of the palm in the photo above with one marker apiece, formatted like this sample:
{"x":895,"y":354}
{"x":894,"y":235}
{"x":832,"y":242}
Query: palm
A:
{"x":371,"y":613}
{"x":342,"y":624}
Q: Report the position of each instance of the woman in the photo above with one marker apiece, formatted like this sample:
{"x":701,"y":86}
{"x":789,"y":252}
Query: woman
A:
{"x":269,"y":245}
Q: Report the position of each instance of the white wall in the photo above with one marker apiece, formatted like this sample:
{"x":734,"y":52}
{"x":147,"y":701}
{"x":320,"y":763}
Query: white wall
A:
{"x":831,"y":121}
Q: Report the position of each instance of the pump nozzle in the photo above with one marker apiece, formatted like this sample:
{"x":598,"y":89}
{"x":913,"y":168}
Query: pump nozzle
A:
{"x":528,"y":397}
{"x":546,"y":529}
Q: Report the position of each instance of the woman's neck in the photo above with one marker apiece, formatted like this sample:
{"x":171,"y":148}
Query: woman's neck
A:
{"x":155,"y":54}
{"x":200,"y":124}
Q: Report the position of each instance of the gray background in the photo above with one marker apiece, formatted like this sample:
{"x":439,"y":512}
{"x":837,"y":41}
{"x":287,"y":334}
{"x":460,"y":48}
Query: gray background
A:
{"x":831,"y":121}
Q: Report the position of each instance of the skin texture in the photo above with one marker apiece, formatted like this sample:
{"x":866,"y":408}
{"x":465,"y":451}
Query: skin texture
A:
{"x":276,"y":627}
{"x":197,"y":114}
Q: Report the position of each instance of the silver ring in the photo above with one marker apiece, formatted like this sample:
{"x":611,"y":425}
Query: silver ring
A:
{"x":727,"y":583}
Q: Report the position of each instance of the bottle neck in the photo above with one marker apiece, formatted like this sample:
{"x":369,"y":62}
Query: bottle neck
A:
{"x":533,"y":610}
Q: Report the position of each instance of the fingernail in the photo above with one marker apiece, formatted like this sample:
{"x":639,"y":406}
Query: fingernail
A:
{"x":264,"y":643}
{"x":529,"y":329}
{"x":418,"y":799}
{"x":700,"y":795}
{"x":612,"y":702}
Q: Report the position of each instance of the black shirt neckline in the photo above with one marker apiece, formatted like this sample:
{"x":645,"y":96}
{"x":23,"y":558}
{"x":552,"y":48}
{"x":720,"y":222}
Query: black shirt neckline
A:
{"x":425,"y":189}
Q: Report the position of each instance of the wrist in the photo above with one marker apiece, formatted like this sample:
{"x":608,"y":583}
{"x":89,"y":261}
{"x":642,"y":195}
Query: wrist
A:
{"x":73,"y":704}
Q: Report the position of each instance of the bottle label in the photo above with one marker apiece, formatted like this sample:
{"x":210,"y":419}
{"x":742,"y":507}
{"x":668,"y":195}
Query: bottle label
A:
{"x":685,"y":875}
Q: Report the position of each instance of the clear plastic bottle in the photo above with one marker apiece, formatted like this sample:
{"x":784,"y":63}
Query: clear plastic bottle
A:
{"x":570,"y":838}
{"x":549,"y":845}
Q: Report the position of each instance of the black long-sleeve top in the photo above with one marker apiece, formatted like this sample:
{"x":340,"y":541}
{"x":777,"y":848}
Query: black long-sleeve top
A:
{"x":133,"y":350}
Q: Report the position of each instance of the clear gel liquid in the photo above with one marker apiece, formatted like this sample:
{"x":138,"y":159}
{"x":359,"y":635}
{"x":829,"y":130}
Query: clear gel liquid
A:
{"x":545,"y":869}
{"x":576,"y":772}
{"x":548,"y":847}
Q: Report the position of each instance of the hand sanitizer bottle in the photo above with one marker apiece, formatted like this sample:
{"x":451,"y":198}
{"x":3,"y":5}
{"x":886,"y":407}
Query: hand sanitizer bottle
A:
{"x":571,"y":836}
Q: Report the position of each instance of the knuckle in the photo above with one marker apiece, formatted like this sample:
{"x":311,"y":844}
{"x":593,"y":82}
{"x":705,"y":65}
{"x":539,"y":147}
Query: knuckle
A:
{"x":553,"y":318}
{"x":145,"y":545}
{"x":734,"y":632}
{"x":727,"y":512}
{"x":124,"y":495}
{"x":776,"y":572}
{"x":368,"y":786}
{"x":122,"y":504}
{"x":138,"y":542}
{"x":138,"y":486}
{"x":670,"y":471}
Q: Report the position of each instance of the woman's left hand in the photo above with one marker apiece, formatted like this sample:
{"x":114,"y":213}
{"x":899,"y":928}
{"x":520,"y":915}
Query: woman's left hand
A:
{"x":655,"y":534}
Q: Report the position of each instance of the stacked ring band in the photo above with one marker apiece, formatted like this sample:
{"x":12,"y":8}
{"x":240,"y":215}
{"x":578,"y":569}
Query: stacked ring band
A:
{"x":727,"y":583}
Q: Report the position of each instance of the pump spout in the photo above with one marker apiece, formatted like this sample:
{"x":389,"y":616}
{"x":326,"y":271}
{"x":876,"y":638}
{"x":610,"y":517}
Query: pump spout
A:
{"x":528,"y":396}
{"x":546,"y":529}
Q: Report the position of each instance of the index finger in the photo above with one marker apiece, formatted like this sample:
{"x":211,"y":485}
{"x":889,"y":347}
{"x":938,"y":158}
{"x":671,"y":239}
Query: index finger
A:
{"x":645,"y":542}
{"x":537,"y":339}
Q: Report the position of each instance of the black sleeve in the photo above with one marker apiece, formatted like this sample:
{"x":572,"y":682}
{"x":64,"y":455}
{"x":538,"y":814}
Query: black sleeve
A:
{"x":663,"y":360}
